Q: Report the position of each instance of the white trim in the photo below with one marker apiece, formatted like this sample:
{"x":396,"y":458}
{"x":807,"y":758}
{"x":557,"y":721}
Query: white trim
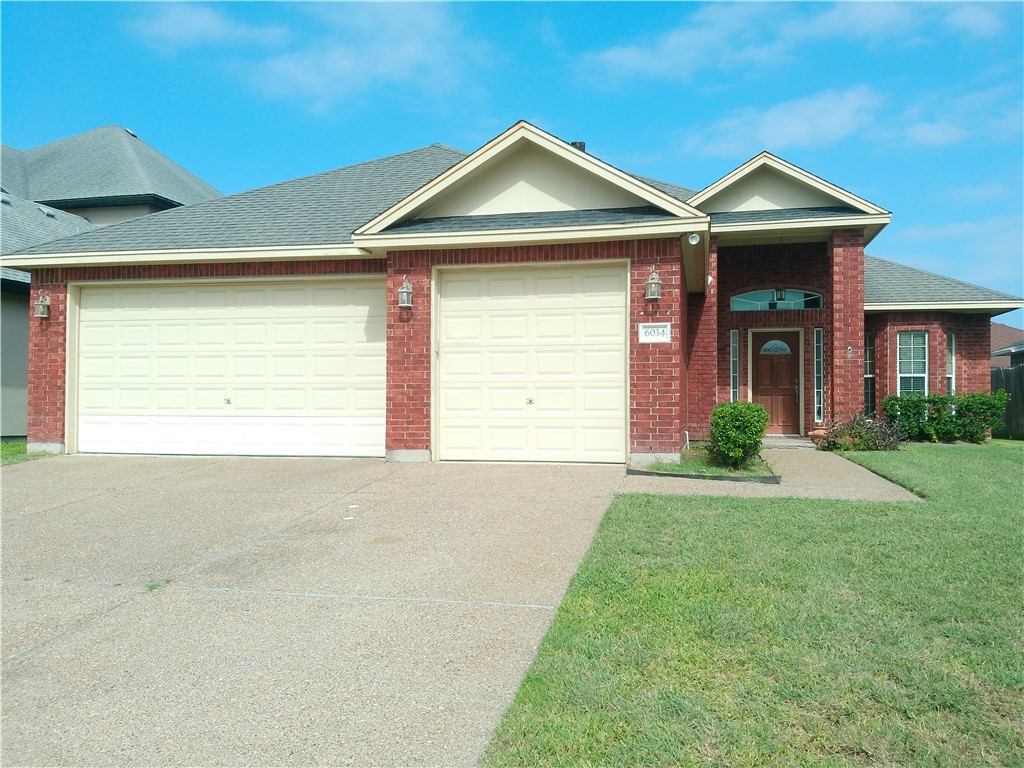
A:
{"x":778,"y":164}
{"x":949,"y":306}
{"x":523,"y":131}
{"x":836,"y":222}
{"x":950,"y":348}
{"x":819,"y":333}
{"x":750,"y":365}
{"x":734,"y":364}
{"x":187,"y":256}
{"x":590,"y":233}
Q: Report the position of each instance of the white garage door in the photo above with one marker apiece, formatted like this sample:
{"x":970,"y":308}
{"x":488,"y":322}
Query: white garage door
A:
{"x":532,"y":364}
{"x":257,"y":368}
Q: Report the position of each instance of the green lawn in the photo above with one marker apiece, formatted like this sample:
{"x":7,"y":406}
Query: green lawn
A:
{"x":741,"y":632}
{"x":696,"y":461}
{"x":14,"y":451}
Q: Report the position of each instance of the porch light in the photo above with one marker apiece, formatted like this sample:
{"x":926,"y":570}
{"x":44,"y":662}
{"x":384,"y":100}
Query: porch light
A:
{"x":693,"y":239}
{"x":405,"y":293}
{"x":653,"y":285}
{"x":780,"y":294}
{"x":41,"y":306}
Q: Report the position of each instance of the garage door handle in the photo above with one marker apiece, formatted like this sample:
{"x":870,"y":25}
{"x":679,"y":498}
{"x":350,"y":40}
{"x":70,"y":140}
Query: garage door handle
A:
{"x":529,"y":401}
{"x":227,"y":401}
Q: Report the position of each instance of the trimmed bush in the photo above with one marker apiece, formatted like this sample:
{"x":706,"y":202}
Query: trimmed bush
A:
{"x":862,"y":433}
{"x":737,"y":430}
{"x":946,"y":418}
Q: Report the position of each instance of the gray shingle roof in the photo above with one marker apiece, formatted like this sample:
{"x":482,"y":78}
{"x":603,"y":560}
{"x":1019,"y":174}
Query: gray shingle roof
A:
{"x":531,"y":220}
{"x":886,"y":282}
{"x":682,"y":194}
{"x":323,"y":209}
{"x":1010,"y":349}
{"x":24,"y":223}
{"x":108,"y":162}
{"x":783,"y":214}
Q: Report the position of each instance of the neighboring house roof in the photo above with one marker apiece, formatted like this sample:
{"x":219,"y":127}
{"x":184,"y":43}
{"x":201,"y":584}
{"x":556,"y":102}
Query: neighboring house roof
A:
{"x":888,"y":285}
{"x":1011,"y":349}
{"x":108,"y":165}
{"x":1003,"y":335}
{"x":24,"y":223}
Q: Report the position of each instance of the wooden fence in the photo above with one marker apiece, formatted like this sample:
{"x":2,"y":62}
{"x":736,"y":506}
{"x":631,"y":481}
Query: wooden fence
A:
{"x":1012,"y":380}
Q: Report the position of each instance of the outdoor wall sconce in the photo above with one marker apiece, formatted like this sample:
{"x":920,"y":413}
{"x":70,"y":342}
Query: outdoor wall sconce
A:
{"x":41,"y":306}
{"x":780,"y":294}
{"x":405,"y":293}
{"x":653,"y":285}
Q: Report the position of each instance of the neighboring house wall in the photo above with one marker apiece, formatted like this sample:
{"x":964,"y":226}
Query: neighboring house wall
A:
{"x":973,"y":351}
{"x":14,"y":319}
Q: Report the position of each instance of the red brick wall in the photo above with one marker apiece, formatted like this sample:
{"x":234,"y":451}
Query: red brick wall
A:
{"x":847,"y":312}
{"x":47,"y":338}
{"x":973,"y":350}
{"x":655,"y":413}
{"x":802,"y":266}
{"x":701,"y":353}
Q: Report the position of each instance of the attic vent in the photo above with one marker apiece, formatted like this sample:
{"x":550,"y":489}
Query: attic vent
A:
{"x":580,"y":145}
{"x":131,"y":133}
{"x":49,"y":212}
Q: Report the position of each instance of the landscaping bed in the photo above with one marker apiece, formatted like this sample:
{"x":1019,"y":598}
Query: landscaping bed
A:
{"x":696,"y":464}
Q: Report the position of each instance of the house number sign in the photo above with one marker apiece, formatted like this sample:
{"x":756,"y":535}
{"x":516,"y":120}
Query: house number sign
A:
{"x":654,"y":333}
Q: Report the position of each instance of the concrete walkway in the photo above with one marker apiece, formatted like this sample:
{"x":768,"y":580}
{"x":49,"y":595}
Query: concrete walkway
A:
{"x":806,"y":473}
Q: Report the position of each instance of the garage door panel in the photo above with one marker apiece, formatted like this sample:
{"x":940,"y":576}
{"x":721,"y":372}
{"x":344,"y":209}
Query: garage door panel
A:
{"x":292,"y":368}
{"x":547,"y":360}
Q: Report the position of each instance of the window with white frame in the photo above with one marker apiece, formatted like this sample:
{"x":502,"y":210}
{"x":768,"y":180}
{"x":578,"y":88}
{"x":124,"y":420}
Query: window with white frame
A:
{"x":734,"y":366}
{"x":819,"y":375}
{"x":912,"y":362}
{"x":869,"y":374}
{"x":950,"y":363}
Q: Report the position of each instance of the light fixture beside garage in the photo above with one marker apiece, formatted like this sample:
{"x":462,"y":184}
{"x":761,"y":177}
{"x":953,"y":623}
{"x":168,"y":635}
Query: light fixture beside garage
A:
{"x":405,"y":293}
{"x":41,"y":306}
{"x":653,"y":285}
{"x":693,"y":239}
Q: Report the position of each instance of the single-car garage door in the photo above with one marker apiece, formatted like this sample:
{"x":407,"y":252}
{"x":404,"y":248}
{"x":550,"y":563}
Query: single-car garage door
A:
{"x":532,"y":364}
{"x":289,"y":368}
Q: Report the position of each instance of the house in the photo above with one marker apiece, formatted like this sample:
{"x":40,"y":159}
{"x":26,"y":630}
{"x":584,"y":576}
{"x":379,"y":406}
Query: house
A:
{"x":1004,"y":336}
{"x":525,"y":302}
{"x":1015,"y":352}
{"x":73,"y":185}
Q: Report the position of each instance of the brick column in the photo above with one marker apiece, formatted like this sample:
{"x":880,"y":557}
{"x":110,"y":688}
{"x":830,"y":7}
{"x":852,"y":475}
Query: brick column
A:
{"x":845,"y":354}
{"x":47,"y":340}
{"x":407,"y":434}
{"x":701,"y":352}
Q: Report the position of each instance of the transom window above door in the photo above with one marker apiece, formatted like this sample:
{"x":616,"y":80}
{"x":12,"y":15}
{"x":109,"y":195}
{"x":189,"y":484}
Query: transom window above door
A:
{"x":774,"y":298}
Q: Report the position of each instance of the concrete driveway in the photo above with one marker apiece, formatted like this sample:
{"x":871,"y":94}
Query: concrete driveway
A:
{"x":223,"y":611}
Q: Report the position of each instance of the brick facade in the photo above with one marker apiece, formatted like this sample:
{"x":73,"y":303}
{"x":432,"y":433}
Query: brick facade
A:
{"x":655,"y":370}
{"x":973,"y":350}
{"x":701,"y":353}
{"x":845,"y":397}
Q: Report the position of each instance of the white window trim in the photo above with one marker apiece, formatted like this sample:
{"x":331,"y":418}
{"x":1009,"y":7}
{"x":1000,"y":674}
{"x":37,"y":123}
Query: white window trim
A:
{"x":819,"y":376}
{"x":734,"y":366}
{"x":950,"y":363}
{"x":899,"y":375}
{"x":869,"y":346}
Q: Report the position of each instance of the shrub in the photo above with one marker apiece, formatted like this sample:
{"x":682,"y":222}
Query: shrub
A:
{"x":946,"y":418}
{"x":737,"y":430}
{"x":862,"y":433}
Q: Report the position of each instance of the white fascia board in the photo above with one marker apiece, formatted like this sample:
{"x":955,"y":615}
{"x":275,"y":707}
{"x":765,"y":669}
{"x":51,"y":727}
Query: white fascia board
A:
{"x":839,"y":222}
{"x":771,"y":161}
{"x":186,"y":256}
{"x":523,"y":131}
{"x":500,"y":237}
{"x":945,"y":306}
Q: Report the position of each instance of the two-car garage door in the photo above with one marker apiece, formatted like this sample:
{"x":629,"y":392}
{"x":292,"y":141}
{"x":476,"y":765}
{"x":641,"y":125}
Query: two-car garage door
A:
{"x":255,"y":368}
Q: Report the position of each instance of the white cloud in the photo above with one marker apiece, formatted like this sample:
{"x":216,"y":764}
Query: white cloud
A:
{"x":980,"y":193}
{"x":818,"y":120}
{"x":940,"y":133}
{"x":173,"y":26}
{"x":362,"y":47}
{"x":974,"y":19}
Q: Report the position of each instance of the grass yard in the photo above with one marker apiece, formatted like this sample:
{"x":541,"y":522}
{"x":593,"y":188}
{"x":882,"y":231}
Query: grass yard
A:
{"x":696,"y":461}
{"x":748,"y":632}
{"x":15,"y":451}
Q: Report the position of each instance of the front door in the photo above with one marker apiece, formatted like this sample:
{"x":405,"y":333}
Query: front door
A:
{"x":776,"y":379}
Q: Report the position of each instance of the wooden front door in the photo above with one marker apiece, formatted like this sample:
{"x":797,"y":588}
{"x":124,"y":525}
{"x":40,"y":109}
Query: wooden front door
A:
{"x":776,"y":379}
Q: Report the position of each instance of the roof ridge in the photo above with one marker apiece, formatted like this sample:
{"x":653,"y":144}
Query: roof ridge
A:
{"x":941,"y":277}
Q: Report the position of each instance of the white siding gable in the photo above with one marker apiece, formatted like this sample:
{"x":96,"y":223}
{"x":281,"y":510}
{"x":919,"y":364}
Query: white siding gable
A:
{"x":766,"y":189}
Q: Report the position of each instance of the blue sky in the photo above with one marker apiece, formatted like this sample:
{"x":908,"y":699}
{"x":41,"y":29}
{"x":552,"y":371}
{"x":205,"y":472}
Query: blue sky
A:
{"x":916,"y":107}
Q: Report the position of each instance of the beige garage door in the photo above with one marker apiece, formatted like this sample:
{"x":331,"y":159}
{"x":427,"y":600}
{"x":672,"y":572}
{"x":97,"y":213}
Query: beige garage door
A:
{"x":256,"y":368}
{"x":532,"y":364}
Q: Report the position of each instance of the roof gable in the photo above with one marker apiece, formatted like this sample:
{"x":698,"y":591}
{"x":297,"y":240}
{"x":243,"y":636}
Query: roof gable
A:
{"x":767,"y":183}
{"x":525,"y":170}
